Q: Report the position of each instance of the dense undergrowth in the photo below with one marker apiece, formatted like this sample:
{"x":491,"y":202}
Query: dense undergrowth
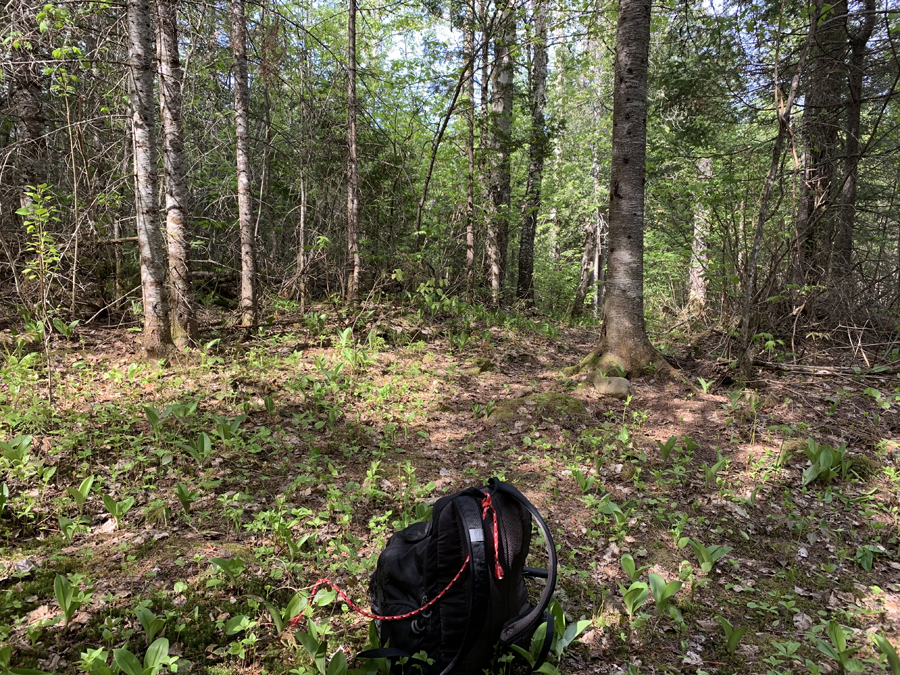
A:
{"x":181,"y":510}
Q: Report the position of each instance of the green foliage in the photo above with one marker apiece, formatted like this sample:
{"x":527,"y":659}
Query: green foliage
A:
{"x":826,"y":462}
{"x":69,"y":597}
{"x":732,"y":635}
{"x":80,"y":494}
{"x":155,"y":659}
{"x":665,"y":449}
{"x":837,"y":649}
{"x":890,"y":654}
{"x":634,"y":573}
{"x":6,"y":669}
{"x":634,"y":596}
{"x":118,"y":509}
{"x":708,"y":556}
{"x":200,"y":449}
{"x":150,"y":622}
{"x":662,"y":591}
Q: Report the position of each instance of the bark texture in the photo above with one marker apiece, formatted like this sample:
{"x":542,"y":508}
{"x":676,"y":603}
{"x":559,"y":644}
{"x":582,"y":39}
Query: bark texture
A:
{"x":469,"y":107}
{"x":353,"y":261}
{"x":242,"y":131}
{"x":624,"y":340}
{"x":501,"y":137}
{"x":821,"y":125}
{"x":537,"y":152}
{"x":699,"y":258}
{"x":157,"y":337}
{"x":859,"y":40}
{"x":26,"y":87}
{"x":584,"y":281}
{"x":183,"y":321}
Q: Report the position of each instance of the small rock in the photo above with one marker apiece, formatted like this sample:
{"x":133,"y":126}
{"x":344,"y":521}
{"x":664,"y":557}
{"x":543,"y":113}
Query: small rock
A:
{"x":617,"y":387}
{"x":802,"y":622}
{"x":748,"y":650}
{"x":693,"y":659}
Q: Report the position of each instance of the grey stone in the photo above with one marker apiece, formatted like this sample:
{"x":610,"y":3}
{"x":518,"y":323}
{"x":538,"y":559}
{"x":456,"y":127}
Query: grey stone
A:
{"x":617,"y":387}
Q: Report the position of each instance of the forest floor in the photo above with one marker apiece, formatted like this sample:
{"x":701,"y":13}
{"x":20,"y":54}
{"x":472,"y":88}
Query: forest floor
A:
{"x":243,"y":472}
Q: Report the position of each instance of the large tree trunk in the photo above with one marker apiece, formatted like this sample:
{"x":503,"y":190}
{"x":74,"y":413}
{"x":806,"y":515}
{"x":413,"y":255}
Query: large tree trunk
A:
{"x":26,"y":87}
{"x":184,"y":325}
{"x":697,"y":269}
{"x":847,"y":215}
{"x":537,"y":152}
{"x":242,"y":131}
{"x":623,"y":340}
{"x":353,"y":261}
{"x":157,"y":337}
{"x":817,"y":218}
{"x":469,"y":107}
{"x":501,"y":137}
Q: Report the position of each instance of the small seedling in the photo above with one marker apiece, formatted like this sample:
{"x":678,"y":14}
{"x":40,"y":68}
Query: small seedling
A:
{"x":665,"y":449}
{"x":732,"y":635}
{"x":69,"y":598}
{"x":80,"y":494}
{"x":4,"y":495}
{"x":634,"y":596}
{"x":150,"y":622}
{"x":16,"y":450}
{"x":281,"y":617}
{"x":185,"y":496}
{"x":662,"y":591}
{"x":231,"y":567}
{"x":201,"y":449}
{"x":634,"y":573}
{"x":825,"y":461}
{"x":585,"y":480}
{"x":118,"y":509}
{"x":156,"y":657}
{"x":709,"y":472}
{"x":704,"y":384}
{"x":838,"y":650}
{"x":708,"y":556}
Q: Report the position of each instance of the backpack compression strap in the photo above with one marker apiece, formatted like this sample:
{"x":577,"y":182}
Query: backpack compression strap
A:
{"x":526,"y":622}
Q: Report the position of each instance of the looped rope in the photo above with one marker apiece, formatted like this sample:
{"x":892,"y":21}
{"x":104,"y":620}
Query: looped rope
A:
{"x":325,"y":582}
{"x":486,"y":506}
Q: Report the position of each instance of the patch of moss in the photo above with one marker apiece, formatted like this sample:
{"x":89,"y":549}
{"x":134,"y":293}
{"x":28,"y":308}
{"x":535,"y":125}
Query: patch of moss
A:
{"x":551,"y":405}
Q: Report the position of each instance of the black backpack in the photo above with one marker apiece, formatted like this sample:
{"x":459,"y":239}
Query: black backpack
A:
{"x":454,"y":586}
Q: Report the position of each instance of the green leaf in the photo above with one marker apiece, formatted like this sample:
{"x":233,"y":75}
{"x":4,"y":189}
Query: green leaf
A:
{"x":236,"y":624}
{"x":836,"y":633}
{"x":886,"y":648}
{"x":548,"y":668}
{"x":156,"y":653}
{"x":338,"y":664}
{"x":127,"y":662}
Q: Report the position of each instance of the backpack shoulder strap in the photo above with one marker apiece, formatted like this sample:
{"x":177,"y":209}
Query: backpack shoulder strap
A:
{"x":480,"y":597}
{"x":528,"y":621}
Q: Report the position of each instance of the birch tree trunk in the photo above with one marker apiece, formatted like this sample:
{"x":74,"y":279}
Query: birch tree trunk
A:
{"x":184,"y":325}
{"x":353,"y":262}
{"x":157,"y":337}
{"x":242,"y":131}
{"x":537,"y":152}
{"x":696,"y":280}
{"x":501,"y":136}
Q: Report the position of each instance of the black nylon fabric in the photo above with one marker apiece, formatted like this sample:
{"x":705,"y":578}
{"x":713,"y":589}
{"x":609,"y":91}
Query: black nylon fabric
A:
{"x":421,"y":560}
